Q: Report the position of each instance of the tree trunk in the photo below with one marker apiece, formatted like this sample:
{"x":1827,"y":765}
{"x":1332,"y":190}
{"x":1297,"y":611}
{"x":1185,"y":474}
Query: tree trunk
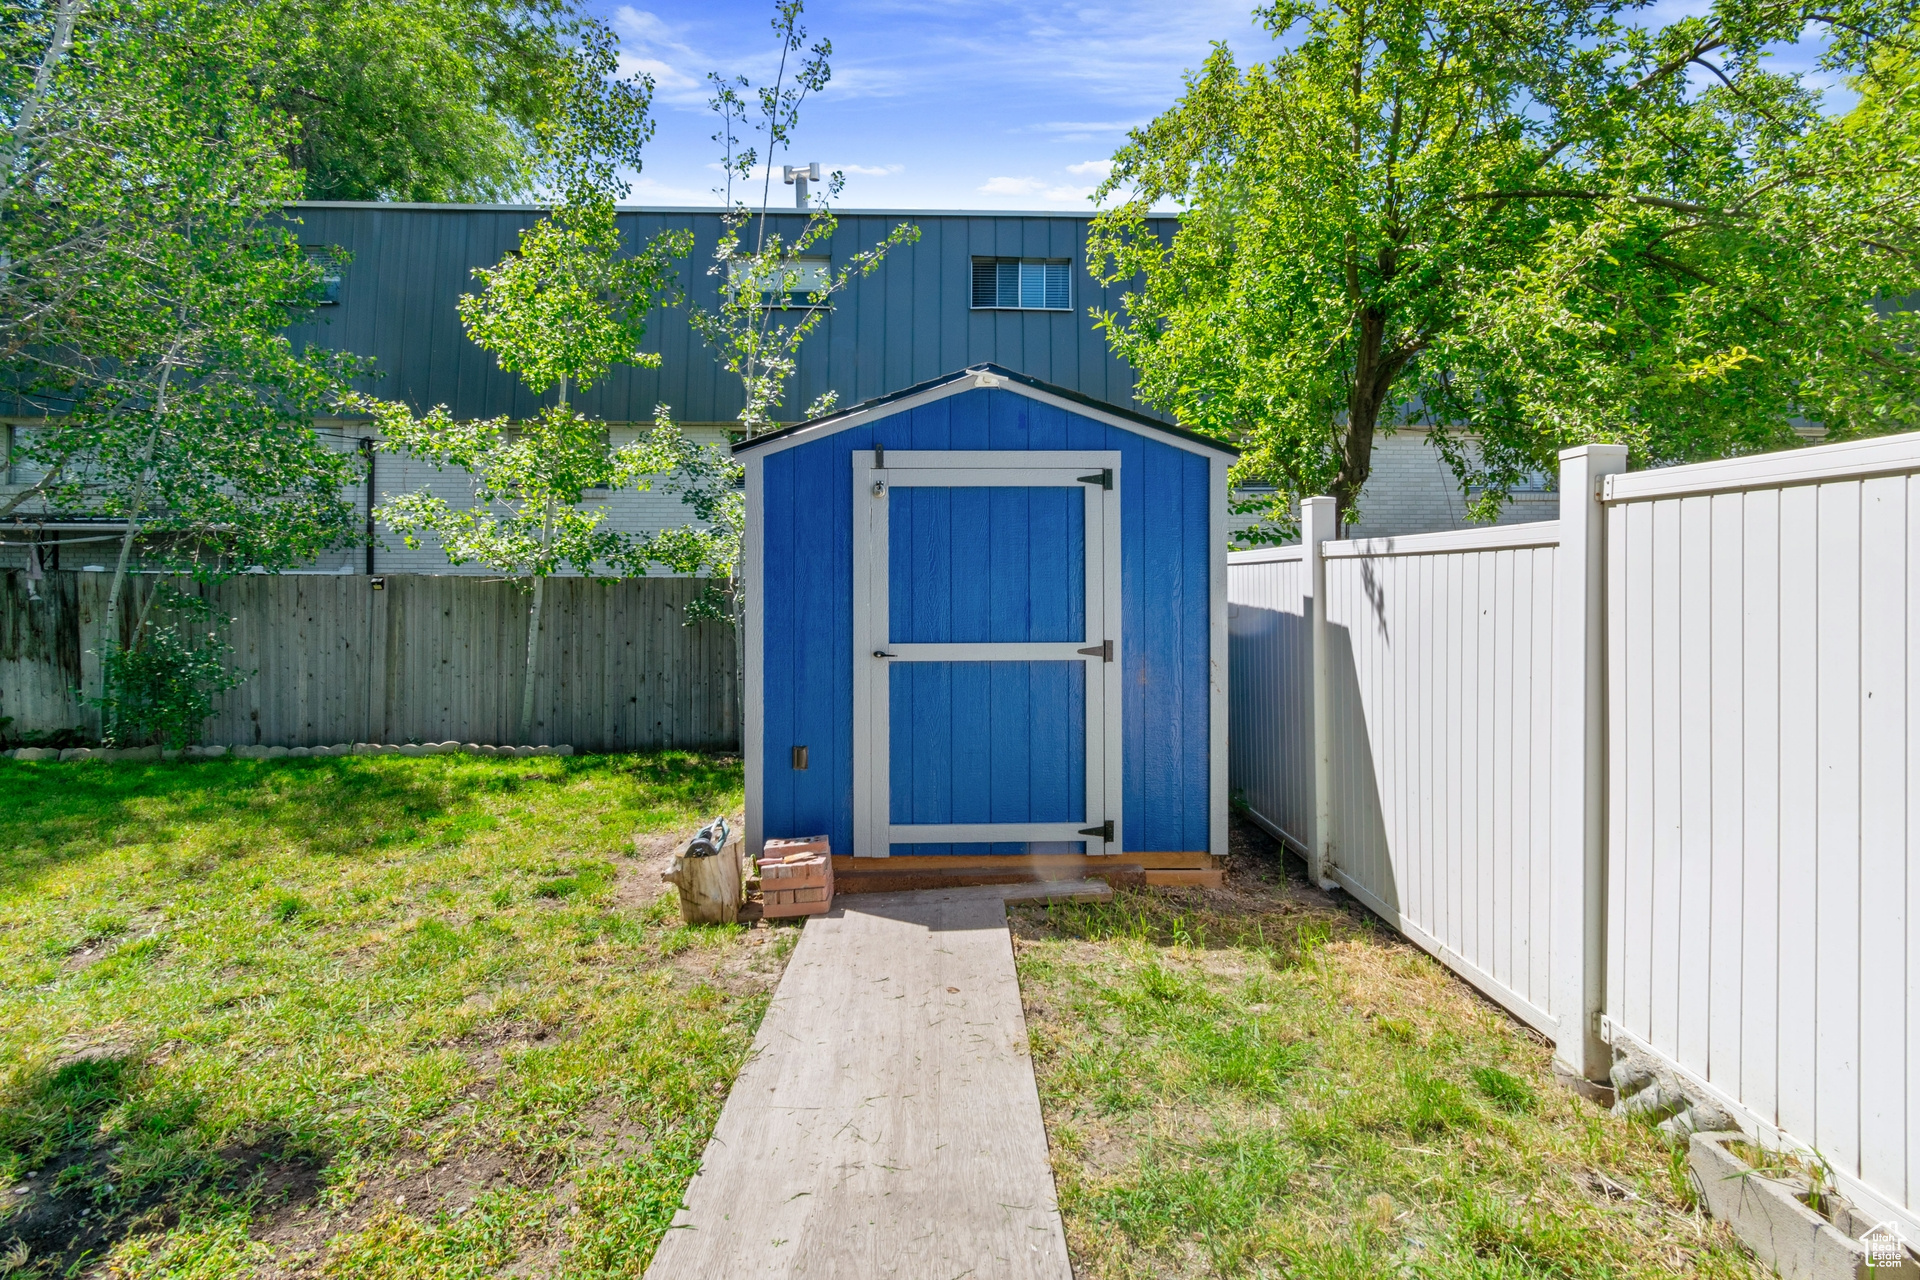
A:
{"x":135,"y":502}
{"x":120,"y":581}
{"x":533,"y":618}
{"x":533,"y":652}
{"x":1371,"y":380}
{"x":63,"y":20}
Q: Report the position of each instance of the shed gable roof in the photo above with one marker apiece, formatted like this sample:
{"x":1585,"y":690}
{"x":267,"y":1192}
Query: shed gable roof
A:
{"x":980,"y":376}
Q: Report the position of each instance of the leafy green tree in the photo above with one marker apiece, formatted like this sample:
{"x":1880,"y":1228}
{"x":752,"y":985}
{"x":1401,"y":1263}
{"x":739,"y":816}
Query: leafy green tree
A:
{"x":1739,"y":264}
{"x":146,"y":275}
{"x":774,"y":292}
{"x":422,"y":99}
{"x":561,"y":312}
{"x":1524,"y":222}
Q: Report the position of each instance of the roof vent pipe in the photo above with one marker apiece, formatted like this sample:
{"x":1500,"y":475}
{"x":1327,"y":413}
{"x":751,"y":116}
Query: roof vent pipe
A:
{"x":797,"y":176}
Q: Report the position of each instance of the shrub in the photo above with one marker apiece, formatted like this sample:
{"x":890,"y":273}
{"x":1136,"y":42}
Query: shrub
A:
{"x":160,"y":687}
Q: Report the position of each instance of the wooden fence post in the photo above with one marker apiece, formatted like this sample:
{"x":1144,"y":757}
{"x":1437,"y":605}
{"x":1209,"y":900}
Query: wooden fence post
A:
{"x":1318,"y":524}
{"x":1579,"y":858}
{"x":91,"y":594}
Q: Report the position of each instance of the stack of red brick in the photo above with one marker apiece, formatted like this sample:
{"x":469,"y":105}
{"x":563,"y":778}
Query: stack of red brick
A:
{"x":796,"y":877}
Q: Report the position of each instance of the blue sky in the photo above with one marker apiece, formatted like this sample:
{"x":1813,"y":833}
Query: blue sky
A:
{"x":944,"y":104}
{"x":934,"y":104}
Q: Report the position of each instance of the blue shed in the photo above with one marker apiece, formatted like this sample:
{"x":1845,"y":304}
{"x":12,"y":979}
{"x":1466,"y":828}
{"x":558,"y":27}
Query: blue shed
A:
{"x":986,"y":637}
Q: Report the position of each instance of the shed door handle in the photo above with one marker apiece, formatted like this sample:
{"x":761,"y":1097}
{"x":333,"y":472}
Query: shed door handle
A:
{"x":881,"y":653}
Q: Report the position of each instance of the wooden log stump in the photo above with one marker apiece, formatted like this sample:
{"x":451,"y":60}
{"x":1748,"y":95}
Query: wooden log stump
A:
{"x":710,"y":887}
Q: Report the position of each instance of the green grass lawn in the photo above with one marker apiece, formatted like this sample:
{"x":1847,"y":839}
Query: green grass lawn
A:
{"x":388,"y":1017}
{"x":357,"y":1017}
{"x":1260,"y":1083}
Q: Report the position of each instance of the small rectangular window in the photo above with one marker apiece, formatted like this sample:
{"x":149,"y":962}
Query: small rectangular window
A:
{"x":1024,"y":284}
{"x":326,"y":292}
{"x":789,"y":284}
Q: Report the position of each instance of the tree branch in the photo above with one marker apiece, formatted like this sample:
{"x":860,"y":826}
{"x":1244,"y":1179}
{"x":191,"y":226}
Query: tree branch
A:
{"x":42,"y":485}
{"x":1561,"y":193}
{"x":1674,"y":264}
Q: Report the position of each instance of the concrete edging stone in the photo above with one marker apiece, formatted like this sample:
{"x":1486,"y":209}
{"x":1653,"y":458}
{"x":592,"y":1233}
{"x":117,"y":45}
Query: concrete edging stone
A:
{"x":256,"y":752}
{"x":1770,"y":1217}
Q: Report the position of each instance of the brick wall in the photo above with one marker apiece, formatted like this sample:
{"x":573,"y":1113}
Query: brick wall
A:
{"x":1411,"y":490}
{"x":629,"y":511}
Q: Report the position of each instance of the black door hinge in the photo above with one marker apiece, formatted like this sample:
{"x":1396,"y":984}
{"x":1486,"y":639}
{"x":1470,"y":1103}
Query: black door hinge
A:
{"x":1102,"y":651}
{"x":879,"y":457}
{"x":1104,"y":479}
{"x":1104,"y":830}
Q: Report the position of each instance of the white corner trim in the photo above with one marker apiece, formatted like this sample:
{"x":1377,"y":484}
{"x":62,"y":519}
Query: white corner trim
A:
{"x":752,"y":701}
{"x":1218,"y":663}
{"x":872,"y":761}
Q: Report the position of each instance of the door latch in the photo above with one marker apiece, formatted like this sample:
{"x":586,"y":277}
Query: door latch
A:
{"x":1104,"y":830}
{"x":1104,"y":479}
{"x":1102,"y":651}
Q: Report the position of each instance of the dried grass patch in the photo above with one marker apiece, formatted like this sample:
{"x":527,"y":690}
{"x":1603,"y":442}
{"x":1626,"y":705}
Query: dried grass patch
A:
{"x":1266,"y":1081}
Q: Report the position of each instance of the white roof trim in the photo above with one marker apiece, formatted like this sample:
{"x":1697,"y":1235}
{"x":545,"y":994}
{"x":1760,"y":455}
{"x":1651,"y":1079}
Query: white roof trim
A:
{"x":981,"y":380}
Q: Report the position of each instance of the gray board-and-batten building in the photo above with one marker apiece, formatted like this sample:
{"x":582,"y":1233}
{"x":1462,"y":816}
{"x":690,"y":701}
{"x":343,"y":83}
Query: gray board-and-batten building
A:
{"x":1005,"y":288}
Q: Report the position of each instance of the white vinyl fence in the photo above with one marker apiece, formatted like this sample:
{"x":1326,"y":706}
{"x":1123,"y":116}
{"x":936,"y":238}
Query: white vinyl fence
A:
{"x":1764,"y":763}
{"x":1270,"y":679}
{"x":1646,"y":775}
{"x":1441,"y":701}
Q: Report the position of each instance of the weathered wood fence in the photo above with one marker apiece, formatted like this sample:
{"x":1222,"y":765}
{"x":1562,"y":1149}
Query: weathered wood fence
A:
{"x":419,"y":659}
{"x":1646,"y":775}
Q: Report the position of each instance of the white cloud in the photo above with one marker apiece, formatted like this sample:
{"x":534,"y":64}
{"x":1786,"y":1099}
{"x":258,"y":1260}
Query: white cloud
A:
{"x":1028,"y":188}
{"x":1012,"y":186}
{"x":1123,"y":53}
{"x":1084,"y":127}
{"x":870,"y":171}
{"x":651,"y":46}
{"x":652,"y":191}
{"x":861,"y":80}
{"x":1091,"y":168}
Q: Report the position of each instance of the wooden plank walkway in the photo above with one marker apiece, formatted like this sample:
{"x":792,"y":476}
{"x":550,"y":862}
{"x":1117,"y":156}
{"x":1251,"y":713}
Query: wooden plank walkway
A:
{"x":887,"y":1123}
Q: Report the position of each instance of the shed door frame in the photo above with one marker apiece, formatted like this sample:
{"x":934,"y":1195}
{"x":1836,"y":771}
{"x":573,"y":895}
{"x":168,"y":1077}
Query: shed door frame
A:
{"x":875,"y":473}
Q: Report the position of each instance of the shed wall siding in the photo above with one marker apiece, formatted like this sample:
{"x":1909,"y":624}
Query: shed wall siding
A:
{"x":807,"y":594}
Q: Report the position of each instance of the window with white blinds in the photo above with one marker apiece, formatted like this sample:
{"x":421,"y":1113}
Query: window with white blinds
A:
{"x":1027,"y":284}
